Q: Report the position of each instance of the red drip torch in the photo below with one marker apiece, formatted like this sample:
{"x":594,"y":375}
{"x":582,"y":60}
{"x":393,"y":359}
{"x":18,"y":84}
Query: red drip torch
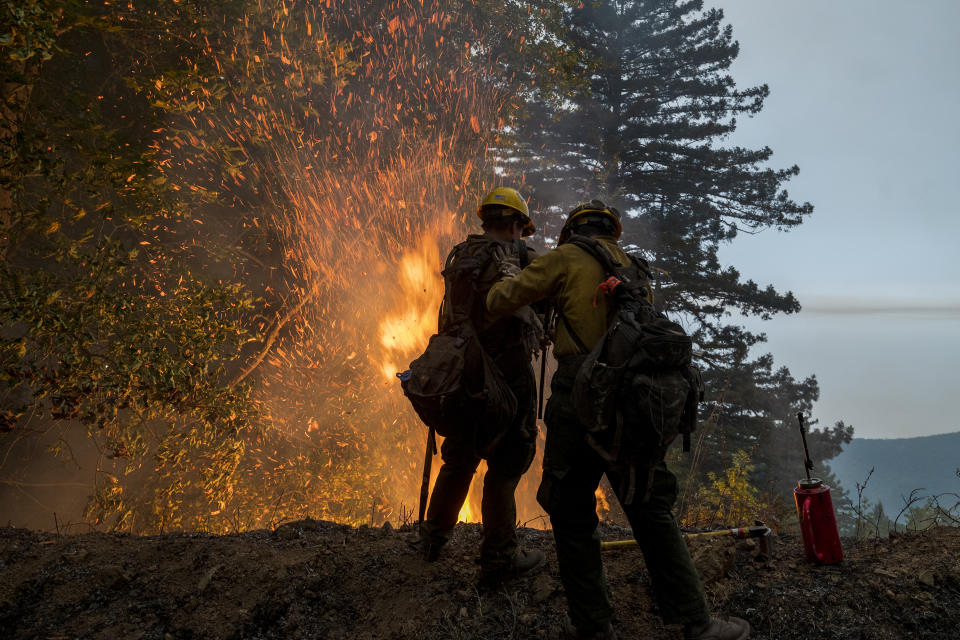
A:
{"x":818,"y":524}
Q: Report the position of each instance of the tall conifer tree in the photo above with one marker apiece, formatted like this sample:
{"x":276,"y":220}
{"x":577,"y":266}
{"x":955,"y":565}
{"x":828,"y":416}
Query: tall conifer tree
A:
{"x":648,"y":134}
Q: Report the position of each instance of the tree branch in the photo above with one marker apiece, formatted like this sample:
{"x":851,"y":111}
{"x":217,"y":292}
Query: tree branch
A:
{"x":270,"y":339}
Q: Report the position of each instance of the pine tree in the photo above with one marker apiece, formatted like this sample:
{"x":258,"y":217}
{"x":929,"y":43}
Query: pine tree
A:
{"x":647,"y":133}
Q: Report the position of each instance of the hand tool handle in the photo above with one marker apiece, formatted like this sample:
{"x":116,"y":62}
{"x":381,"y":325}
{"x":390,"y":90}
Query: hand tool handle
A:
{"x":807,"y":463}
{"x":427,"y":463}
{"x":543,"y":377}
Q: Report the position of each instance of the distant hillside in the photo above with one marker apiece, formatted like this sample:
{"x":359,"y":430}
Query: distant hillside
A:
{"x":900,"y":465}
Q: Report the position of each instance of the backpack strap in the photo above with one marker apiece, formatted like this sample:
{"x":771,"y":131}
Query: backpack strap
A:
{"x":573,"y":334}
{"x":597,"y":250}
{"x":524,"y":252}
{"x":459,"y":272}
{"x":601,"y":255}
{"x":634,"y":276}
{"x":467,"y":261}
{"x":446,"y":305}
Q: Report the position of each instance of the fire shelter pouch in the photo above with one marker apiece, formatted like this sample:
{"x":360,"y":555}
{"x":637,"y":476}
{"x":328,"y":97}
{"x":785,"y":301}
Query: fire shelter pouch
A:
{"x":456,"y":388}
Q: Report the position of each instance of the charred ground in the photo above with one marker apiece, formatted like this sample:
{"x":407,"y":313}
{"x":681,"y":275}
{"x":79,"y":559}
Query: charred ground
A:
{"x":313,"y":579}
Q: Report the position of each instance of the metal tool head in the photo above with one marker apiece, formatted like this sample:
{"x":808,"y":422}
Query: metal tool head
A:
{"x":763,"y":542}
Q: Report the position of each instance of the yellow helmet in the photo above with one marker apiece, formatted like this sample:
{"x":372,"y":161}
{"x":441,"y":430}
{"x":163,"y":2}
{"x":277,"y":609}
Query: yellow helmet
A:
{"x":510,"y":198}
{"x":594,"y":206}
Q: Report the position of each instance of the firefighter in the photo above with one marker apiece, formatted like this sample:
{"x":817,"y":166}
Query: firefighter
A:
{"x":510,"y":341}
{"x":572,"y":470}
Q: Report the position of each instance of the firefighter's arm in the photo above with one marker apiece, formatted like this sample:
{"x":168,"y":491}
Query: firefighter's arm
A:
{"x":540,"y":279}
{"x":539,"y":307}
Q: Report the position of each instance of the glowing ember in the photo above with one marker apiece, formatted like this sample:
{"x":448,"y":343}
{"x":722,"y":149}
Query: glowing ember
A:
{"x":356,"y":135}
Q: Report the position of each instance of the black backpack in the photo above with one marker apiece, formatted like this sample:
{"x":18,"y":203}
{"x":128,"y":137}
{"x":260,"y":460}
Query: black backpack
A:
{"x":637,"y":389}
{"x":455,"y":386}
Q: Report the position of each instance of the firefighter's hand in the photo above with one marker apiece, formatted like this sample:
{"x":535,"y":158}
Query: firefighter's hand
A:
{"x":534,"y":335}
{"x":505,"y":267}
{"x":530,"y":317}
{"x":508,"y":270}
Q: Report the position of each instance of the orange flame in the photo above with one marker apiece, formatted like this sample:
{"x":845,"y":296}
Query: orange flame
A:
{"x":603,"y":505}
{"x":369,"y":162}
{"x":405,"y":330}
{"x":466,"y":514}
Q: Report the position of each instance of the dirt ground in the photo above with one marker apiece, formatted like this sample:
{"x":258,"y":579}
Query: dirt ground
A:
{"x":320,"y":580}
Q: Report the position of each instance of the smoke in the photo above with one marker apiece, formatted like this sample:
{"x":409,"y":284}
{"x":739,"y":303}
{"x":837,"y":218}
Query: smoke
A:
{"x":881,"y":306}
{"x":358,"y":134}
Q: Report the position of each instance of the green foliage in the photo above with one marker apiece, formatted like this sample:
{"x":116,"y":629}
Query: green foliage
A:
{"x":923,"y":516}
{"x":729,"y":498}
{"x":28,"y":29}
{"x":922,"y":511}
{"x":104,"y":321}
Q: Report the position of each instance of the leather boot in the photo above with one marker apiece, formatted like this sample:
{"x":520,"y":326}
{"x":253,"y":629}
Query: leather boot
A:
{"x":716,"y":629}
{"x":429,"y":549}
{"x":523,"y":561}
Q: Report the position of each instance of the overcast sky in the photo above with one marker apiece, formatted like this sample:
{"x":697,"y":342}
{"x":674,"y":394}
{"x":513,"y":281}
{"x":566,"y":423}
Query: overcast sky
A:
{"x":865,"y":98}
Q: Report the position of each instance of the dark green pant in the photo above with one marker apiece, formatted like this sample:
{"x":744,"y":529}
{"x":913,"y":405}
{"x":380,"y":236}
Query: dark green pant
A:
{"x":505,"y":465}
{"x":571,"y":473}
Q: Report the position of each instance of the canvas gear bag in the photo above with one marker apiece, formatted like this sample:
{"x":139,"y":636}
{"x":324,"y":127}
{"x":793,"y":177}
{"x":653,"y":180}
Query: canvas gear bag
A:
{"x":636,"y":389}
{"x":455,"y":386}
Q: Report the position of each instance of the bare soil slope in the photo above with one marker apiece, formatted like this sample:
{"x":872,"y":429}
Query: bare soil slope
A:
{"x":320,"y":580}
